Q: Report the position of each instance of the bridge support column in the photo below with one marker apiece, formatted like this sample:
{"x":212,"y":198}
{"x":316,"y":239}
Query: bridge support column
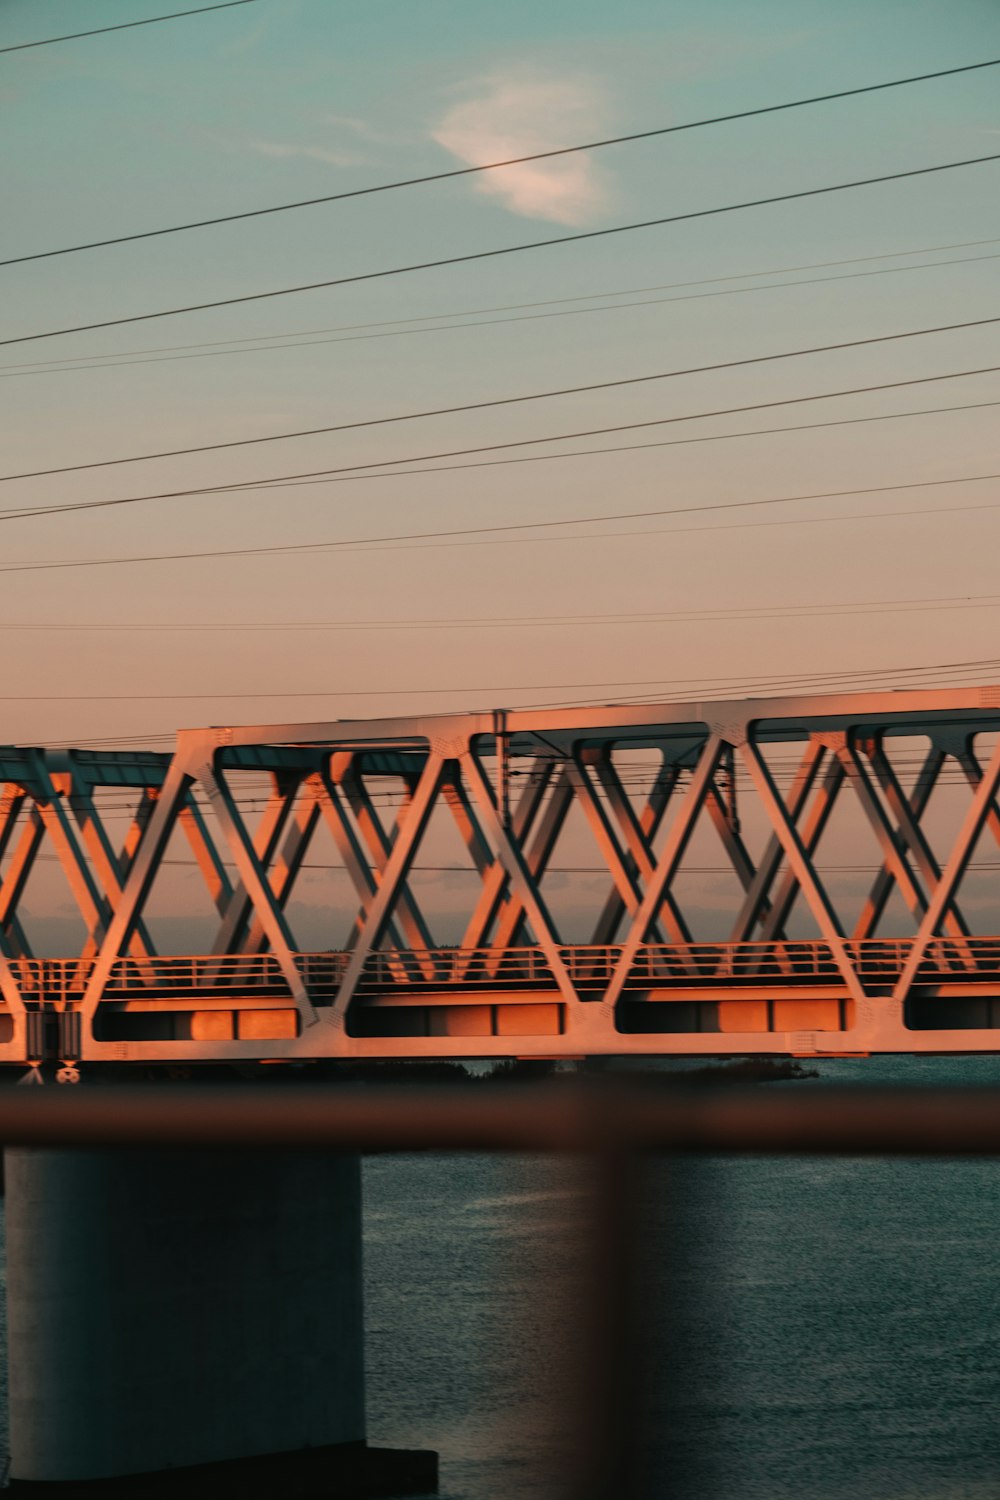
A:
{"x":191,"y":1323}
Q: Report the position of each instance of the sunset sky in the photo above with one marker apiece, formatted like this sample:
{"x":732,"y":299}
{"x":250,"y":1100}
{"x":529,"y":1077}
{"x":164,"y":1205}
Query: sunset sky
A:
{"x":279,"y":100}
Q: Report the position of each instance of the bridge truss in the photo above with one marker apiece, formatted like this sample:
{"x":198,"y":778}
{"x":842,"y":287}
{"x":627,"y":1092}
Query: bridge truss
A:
{"x":790,"y":971}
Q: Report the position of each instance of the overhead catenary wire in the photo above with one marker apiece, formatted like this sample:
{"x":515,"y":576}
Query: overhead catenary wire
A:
{"x":310,"y":335}
{"x":74,"y":36}
{"x":351,"y":471}
{"x":453,"y":172}
{"x":667,"y":531}
{"x":419,"y":539}
{"x":521,"y":399}
{"x":700,"y":689}
{"x":490,"y":622}
{"x":701,"y":685}
{"x":306,"y":547}
{"x":704,"y":683}
{"x":249,"y":347}
{"x":501,"y":250}
{"x":696,"y":689}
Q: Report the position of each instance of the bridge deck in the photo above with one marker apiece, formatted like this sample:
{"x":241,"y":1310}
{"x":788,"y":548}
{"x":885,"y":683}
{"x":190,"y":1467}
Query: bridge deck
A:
{"x":770,"y":997}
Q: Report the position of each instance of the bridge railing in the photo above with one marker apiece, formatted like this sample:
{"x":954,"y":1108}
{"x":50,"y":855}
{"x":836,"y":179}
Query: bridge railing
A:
{"x":590,"y":967}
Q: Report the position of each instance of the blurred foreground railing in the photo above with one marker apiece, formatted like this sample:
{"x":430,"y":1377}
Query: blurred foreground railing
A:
{"x":613,"y":1123}
{"x":577,"y":1115}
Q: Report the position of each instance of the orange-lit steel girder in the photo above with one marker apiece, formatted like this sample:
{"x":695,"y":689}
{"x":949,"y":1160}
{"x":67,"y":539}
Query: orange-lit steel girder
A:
{"x":513,"y":983}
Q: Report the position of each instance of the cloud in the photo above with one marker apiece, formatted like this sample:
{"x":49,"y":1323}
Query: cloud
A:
{"x":358,"y":127}
{"x":313,"y":153}
{"x":516,"y":114}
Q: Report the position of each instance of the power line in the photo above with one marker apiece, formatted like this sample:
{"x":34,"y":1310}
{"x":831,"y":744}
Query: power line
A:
{"x":477,"y":255}
{"x":489,"y":622}
{"x":227,"y":5}
{"x":334,"y":478}
{"x":419,"y":537}
{"x":45,"y":366}
{"x":705,"y":687}
{"x":325,"y":545}
{"x":248,"y":346}
{"x":787,"y":683}
{"x":519,"y":400}
{"x":730,"y":683}
{"x":669,"y":531}
{"x":352,"y":471}
{"x":511,"y":161}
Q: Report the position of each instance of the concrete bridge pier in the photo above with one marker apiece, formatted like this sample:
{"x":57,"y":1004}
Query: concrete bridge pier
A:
{"x":190,"y":1322}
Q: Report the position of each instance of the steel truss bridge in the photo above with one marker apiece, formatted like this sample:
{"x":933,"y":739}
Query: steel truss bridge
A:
{"x":512,"y":984}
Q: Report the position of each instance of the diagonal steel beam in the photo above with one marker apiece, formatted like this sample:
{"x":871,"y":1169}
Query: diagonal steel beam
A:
{"x":800,"y":862}
{"x":970,"y":764}
{"x":213,"y":871}
{"x":495,"y":892}
{"x":677,"y":840}
{"x":757,"y":906}
{"x":15,"y":879}
{"x":908,"y":810}
{"x":349,"y":847}
{"x":255,"y":882}
{"x":812,"y":828}
{"x":380,"y":844}
{"x":95,"y":908}
{"x":625,"y":881}
{"x":524,"y":883}
{"x":511,"y":929}
{"x":9,"y":988}
{"x":358,"y":867}
{"x":730,"y":838}
{"x":457,"y":799}
{"x":631,"y":868}
{"x":11,"y":803}
{"x":105,"y":861}
{"x":975,"y":820}
{"x":911,"y":835}
{"x":289,"y":860}
{"x":11,"y":935}
{"x":266,"y":838}
{"x":138,"y":883}
{"x":391,"y":881}
{"x":639,"y":833}
{"x":893,"y":846}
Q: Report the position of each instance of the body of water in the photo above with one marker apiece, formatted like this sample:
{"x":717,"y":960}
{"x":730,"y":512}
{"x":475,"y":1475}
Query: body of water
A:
{"x":836,"y":1333}
{"x":825,"y":1329}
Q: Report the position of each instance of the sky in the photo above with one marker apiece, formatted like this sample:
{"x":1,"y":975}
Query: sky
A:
{"x":282,"y":100}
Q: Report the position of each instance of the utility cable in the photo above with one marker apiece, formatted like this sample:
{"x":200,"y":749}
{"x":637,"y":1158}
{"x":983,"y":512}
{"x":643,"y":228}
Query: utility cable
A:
{"x":507,"y":541}
{"x":248,"y":346}
{"x":744,"y":613}
{"x":311,"y":335}
{"x":176,"y":15}
{"x":520,"y":400}
{"x":344,"y":476}
{"x":511,"y":161}
{"x":350,"y":472}
{"x":495,"y":532}
{"x":729,"y":682}
{"x":478,"y":255}
{"x":539,"y":458}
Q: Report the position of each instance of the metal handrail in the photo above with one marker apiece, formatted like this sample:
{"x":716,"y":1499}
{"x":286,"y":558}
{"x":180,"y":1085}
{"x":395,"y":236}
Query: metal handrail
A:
{"x":590,"y":967}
